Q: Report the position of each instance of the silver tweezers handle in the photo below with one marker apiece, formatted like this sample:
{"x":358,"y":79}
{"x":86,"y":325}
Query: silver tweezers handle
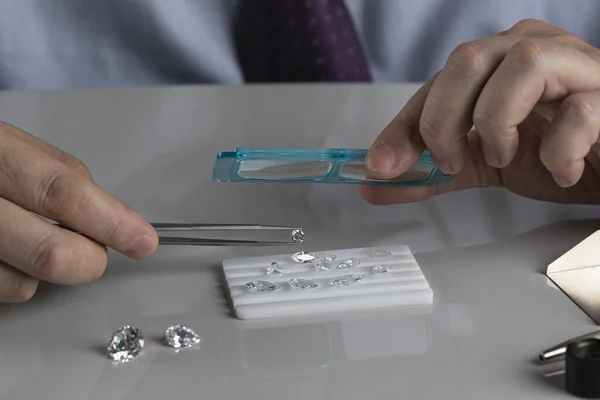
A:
{"x":178,"y":241}
{"x":192,"y":227}
{"x":170,"y":226}
{"x":183,"y":227}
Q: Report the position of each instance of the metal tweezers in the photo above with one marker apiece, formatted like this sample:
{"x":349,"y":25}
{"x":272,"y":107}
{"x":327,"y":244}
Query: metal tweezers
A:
{"x":191,"y":241}
{"x":182,"y":241}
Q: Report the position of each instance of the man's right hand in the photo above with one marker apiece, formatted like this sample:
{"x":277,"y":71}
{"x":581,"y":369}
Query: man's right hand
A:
{"x":519,"y":110}
{"x":37,"y":178}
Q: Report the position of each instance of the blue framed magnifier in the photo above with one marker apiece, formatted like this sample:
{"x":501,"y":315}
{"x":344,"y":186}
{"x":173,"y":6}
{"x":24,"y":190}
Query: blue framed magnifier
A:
{"x":305,"y":165}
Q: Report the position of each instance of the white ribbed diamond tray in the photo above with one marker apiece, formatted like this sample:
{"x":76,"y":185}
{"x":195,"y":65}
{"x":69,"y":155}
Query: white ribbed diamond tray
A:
{"x":403,"y":285}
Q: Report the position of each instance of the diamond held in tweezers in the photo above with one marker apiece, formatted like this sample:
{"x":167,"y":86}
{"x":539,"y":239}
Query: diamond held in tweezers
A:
{"x":274,"y":269}
{"x":303,"y":257}
{"x":262,"y":286}
{"x":345,"y":280}
{"x":381,"y":269}
{"x":126,"y":343}
{"x":349,"y":263}
{"x":330,"y":258}
{"x":381,"y":253}
{"x":298,"y":236}
{"x":323,"y":265}
{"x":180,"y":337}
{"x":299,"y":283}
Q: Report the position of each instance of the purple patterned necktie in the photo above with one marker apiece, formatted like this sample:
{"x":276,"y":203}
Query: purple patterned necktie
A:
{"x":299,"y":41}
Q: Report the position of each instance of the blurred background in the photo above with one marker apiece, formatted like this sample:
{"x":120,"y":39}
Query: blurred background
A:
{"x":63,"y":44}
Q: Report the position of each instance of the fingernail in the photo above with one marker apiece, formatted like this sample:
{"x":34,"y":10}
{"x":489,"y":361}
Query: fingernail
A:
{"x":142,"y":247}
{"x":562,"y":182}
{"x":446,"y":169}
{"x":382,"y":158}
{"x":490,"y":157}
{"x":442,"y":166}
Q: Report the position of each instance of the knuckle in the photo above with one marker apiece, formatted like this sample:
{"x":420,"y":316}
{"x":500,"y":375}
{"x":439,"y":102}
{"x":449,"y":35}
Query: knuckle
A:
{"x":580,"y":107}
{"x":529,"y":52}
{"x":527,"y":25}
{"x":467,"y":59}
{"x":428,"y":129}
{"x":572,"y":40}
{"x":57,"y":263}
{"x":503,"y":33}
{"x":112,"y":228}
{"x":77,"y":165}
{"x":51,"y":260}
{"x":485,"y":121}
{"x":59,"y":194}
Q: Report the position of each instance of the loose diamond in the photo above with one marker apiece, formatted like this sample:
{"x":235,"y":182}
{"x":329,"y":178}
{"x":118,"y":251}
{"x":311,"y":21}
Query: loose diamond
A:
{"x":299,"y":283}
{"x":274,"y":269}
{"x":179,"y":337}
{"x":349,"y":263}
{"x":303,"y":257}
{"x":381,"y":269}
{"x":262,"y":286}
{"x":322,"y":265}
{"x":346,"y":280}
{"x":126,"y":343}
{"x":330,"y":258}
{"x":298,"y":236}
{"x":379,"y":253}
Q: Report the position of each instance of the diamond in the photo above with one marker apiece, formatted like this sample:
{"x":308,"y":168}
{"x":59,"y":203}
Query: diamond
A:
{"x":298,"y":236}
{"x":346,"y":280}
{"x":349,"y":263}
{"x":381,"y":269}
{"x":379,"y":253}
{"x":274,"y":269}
{"x":126,"y":343}
{"x":330,"y":258}
{"x":179,"y":337}
{"x":303,"y":257}
{"x":262,"y":286}
{"x":299,"y":283}
{"x":322,"y":265}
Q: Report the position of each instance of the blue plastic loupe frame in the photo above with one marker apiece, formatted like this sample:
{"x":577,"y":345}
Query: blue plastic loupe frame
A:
{"x":305,"y":165}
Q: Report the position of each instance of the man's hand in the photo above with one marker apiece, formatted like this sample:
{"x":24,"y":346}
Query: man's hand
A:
{"x":36,"y":177}
{"x":520,"y":110}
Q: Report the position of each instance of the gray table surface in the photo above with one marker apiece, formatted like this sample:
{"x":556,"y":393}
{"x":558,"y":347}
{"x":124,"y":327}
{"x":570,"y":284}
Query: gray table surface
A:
{"x":484,"y":253}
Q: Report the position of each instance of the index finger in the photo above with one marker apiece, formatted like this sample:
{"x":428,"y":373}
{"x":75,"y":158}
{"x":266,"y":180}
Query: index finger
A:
{"x":399,"y":144}
{"x":39,"y":183}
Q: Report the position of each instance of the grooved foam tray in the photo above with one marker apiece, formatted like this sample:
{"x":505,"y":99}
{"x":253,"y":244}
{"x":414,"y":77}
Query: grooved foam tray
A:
{"x":403,"y":285}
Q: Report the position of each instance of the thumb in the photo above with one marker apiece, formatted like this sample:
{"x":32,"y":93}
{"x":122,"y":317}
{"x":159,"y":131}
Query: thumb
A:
{"x":476,"y":173}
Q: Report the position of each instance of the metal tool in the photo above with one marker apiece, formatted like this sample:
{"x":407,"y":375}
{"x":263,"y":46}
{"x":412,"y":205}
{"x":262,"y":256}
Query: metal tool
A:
{"x":192,"y":241}
{"x":557,"y":352}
